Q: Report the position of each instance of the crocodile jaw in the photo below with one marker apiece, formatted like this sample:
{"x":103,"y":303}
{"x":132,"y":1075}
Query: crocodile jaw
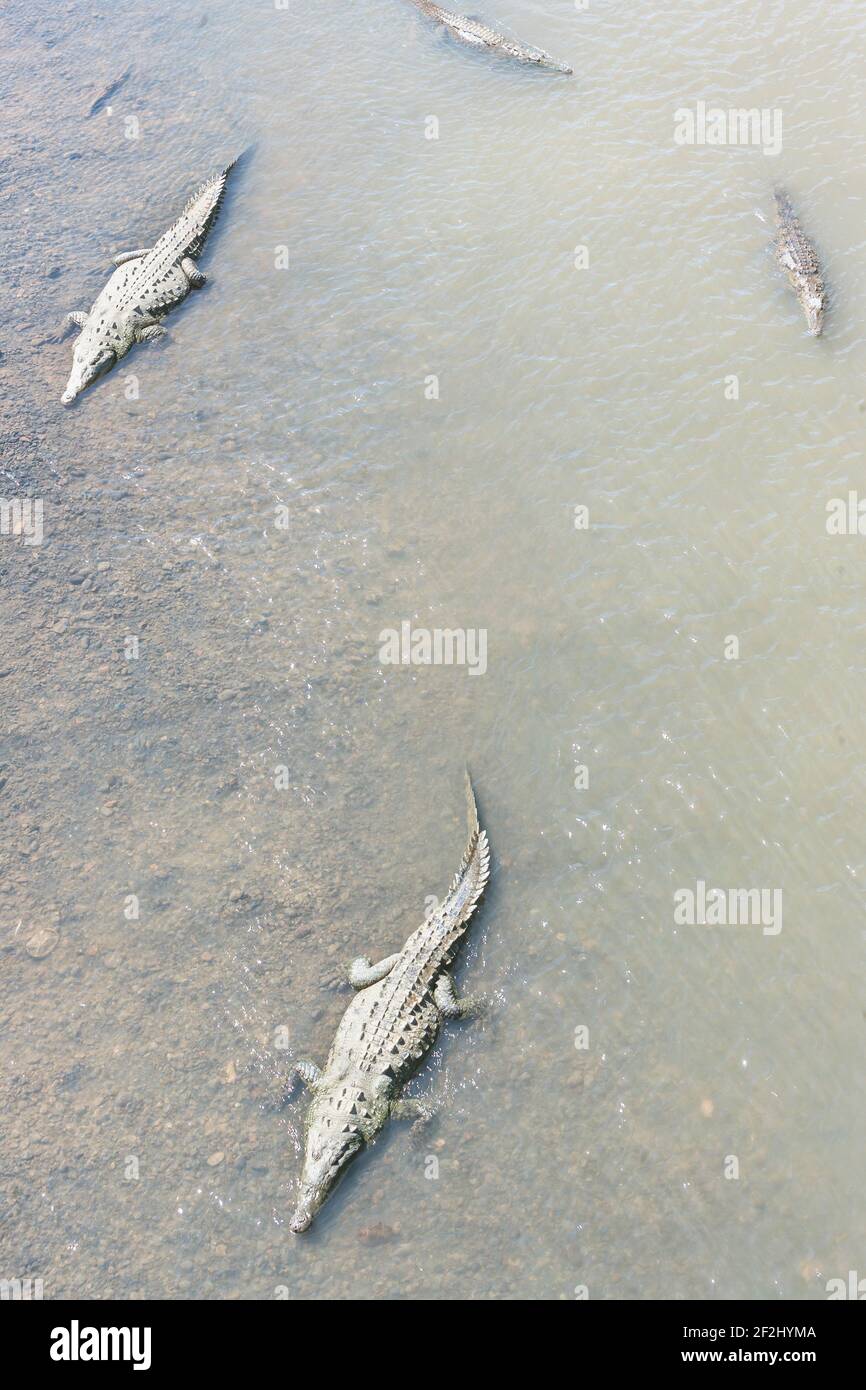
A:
{"x":304,"y":1213}
{"x":538,"y":55}
{"x":815,"y":316}
{"x":325,"y":1162}
{"x":85,"y":371}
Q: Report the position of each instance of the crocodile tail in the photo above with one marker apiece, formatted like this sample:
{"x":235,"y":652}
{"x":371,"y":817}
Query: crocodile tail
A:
{"x":476,"y":858}
{"x":474,"y":830}
{"x":204,"y":206}
{"x":471,"y":806}
{"x":451,"y":918}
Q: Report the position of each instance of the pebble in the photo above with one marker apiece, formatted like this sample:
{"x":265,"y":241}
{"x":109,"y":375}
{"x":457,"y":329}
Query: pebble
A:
{"x":42,"y":942}
{"x":215,"y":1159}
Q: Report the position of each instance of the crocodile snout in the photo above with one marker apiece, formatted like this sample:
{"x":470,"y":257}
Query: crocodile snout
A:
{"x":301,"y":1221}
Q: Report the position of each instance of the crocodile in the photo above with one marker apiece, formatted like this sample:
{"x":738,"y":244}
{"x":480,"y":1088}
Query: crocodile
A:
{"x":797,"y":256}
{"x":472,"y":31}
{"x":386,"y":1031}
{"x":145,"y":286}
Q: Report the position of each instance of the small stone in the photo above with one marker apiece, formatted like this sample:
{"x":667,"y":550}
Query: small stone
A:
{"x":379,"y":1234}
{"x":215,"y":1159}
{"x":707,"y":1108}
{"x":42,"y":942}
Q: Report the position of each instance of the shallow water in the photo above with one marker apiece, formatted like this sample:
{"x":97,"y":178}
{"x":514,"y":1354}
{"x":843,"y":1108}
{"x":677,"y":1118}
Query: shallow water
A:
{"x":155,"y":1045}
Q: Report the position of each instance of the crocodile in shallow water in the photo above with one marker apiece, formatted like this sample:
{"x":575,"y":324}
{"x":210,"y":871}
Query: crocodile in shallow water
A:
{"x":388,"y":1028}
{"x":797,"y":256}
{"x":144,"y":287}
{"x":472,"y":31}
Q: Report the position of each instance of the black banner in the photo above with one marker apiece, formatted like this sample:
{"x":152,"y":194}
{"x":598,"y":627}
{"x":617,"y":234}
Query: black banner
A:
{"x":65,"y":1338}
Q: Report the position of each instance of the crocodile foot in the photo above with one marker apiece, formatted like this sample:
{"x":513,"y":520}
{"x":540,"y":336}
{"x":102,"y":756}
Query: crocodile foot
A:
{"x":362,"y":972}
{"x":192,"y":272}
{"x":449,"y":1006}
{"x":307,"y":1073}
{"x":410,"y":1108}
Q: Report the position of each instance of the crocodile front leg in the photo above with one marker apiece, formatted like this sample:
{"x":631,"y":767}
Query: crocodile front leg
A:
{"x":305,"y":1072}
{"x":132,"y":255}
{"x":449,"y":1006}
{"x":149,"y":332}
{"x":78,"y":318}
{"x":192,"y":272}
{"x":412,"y":1109}
{"x":362,"y":972}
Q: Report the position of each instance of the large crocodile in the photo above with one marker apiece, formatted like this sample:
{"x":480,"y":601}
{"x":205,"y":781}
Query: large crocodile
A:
{"x":145,"y":286}
{"x":386,"y":1031}
{"x":797,"y":256}
{"x":472,"y":31}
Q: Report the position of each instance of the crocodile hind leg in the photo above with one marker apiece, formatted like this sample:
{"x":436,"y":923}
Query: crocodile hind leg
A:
{"x":149,"y":333}
{"x":362,"y":972}
{"x":410,"y":1108}
{"x":132,"y":255}
{"x":449,"y":1006}
{"x":192,"y":272}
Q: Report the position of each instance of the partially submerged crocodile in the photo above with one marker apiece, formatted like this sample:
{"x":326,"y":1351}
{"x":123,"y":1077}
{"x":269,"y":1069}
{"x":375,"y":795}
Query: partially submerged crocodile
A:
{"x":797,"y":256}
{"x":387,"y":1029}
{"x":145,"y":286}
{"x":472,"y":31}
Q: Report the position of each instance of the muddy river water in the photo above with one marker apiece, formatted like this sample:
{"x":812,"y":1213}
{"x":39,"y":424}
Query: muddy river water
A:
{"x":487,"y":351}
